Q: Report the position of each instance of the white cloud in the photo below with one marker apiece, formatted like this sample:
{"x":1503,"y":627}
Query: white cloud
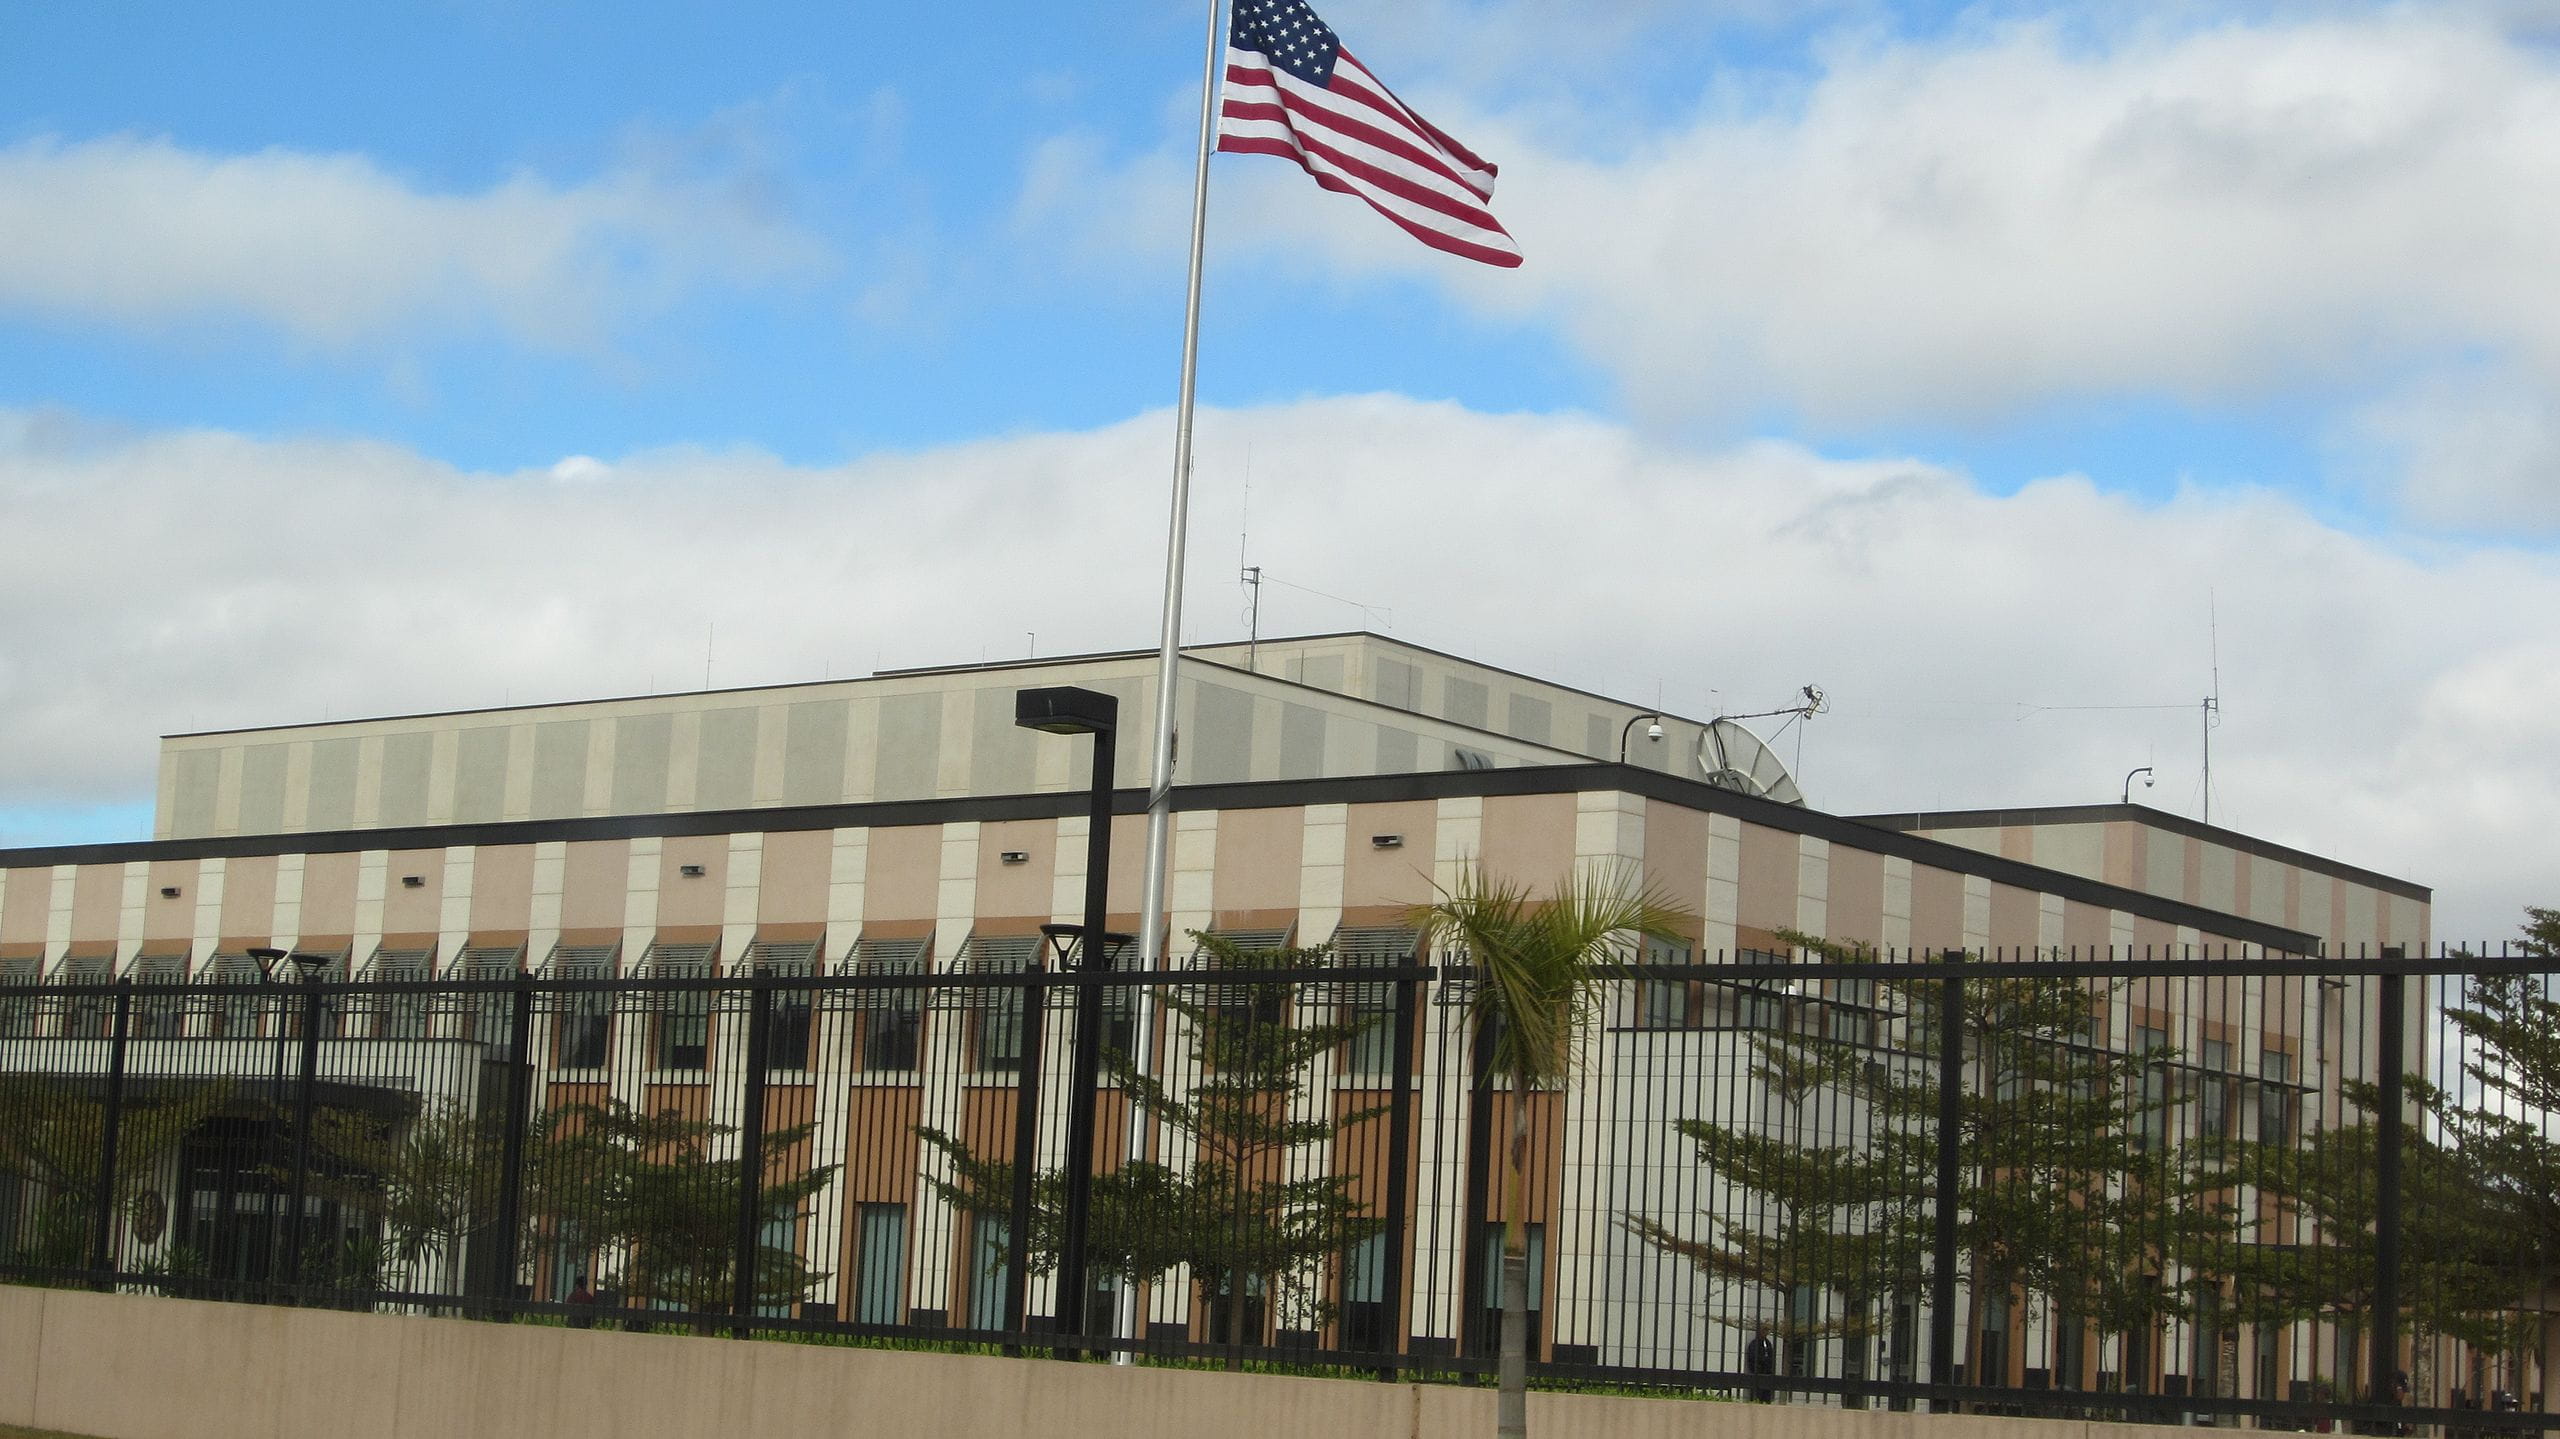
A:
{"x":1969,"y":227}
{"x":333,"y":251}
{"x":2469,"y":449}
{"x":2390,"y":709}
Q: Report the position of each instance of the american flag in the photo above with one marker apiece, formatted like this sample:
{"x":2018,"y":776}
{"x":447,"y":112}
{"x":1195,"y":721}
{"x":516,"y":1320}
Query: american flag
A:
{"x":1292,"y":90}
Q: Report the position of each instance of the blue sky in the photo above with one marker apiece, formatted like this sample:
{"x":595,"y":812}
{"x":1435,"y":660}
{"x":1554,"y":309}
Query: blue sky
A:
{"x":2263,"y":285}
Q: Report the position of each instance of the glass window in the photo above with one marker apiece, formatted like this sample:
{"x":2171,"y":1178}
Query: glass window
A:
{"x":986,"y":1272}
{"x":2213,"y":1091}
{"x":683,"y":1030}
{"x":880,"y":1264}
{"x":17,"y":1010}
{"x":996,"y":1014}
{"x":787,"y":1033}
{"x":159,"y":1016}
{"x":87,"y":1015}
{"x":2275,"y":1097}
{"x":1364,"y":1295}
{"x":891,"y":1021}
{"x":2154,"y":1128}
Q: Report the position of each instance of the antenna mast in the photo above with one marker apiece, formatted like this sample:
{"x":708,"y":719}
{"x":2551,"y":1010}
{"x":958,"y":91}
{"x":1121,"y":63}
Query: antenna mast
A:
{"x":2212,"y":702}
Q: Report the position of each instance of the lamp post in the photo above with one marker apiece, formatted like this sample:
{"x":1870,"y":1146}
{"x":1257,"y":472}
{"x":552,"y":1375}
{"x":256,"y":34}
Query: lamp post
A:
{"x":2128,"y":781}
{"x":1070,"y":710}
{"x":1653,"y":732}
{"x":311,"y":965}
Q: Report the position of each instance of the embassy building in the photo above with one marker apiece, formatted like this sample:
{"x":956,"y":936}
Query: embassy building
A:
{"x":1326,"y":786}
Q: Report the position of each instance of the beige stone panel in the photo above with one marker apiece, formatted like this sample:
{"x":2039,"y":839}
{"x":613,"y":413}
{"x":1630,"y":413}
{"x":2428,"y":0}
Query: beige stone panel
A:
{"x":464,"y":1380}
{"x":26,"y":904}
{"x":2072,"y":848}
{"x":166,"y":916}
{"x":502,"y":888}
{"x":1389,"y":879}
{"x":22,"y":1320}
{"x":1937,"y":909}
{"x":1128,"y":866}
{"x":1529,"y":837}
{"x":97,"y":901}
{"x":1675,"y":851}
{"x":2124,"y":844}
{"x":1856,"y":901}
{"x":1260,"y":852}
{"x":138,"y":1368}
{"x":2018,"y":842}
{"x":2086,"y":927}
{"x":1024,"y":888}
{"x":2013,"y":919}
{"x":1765,"y":886}
{"x":329,"y":893}
{"x":595,"y":884}
{"x":901,"y":873}
{"x":407,"y":910}
{"x":2167,"y":864}
{"x":797,"y":869}
{"x":684,"y":901}
{"x":249,"y":898}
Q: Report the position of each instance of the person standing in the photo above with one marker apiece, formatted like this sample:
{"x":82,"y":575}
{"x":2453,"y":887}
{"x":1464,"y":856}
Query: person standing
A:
{"x":1760,"y":1356}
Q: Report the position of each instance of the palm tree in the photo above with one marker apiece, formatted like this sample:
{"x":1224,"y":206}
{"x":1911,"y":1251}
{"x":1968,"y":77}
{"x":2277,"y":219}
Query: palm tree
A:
{"x":1540,"y":968}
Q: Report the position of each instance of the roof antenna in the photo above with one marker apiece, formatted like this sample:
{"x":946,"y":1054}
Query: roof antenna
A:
{"x":2213,"y":701}
{"x":1250,"y":574}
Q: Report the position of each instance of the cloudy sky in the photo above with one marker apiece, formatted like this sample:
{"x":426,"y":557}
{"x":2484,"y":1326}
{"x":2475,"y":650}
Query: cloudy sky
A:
{"x":1998,"y":368}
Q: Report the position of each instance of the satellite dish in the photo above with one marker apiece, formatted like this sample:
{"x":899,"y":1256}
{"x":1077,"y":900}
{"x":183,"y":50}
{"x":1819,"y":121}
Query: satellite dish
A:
{"x":1732,"y":757}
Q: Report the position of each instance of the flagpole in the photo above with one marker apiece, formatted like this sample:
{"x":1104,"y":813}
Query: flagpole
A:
{"x":1151,"y":916}
{"x":1151,"y":902}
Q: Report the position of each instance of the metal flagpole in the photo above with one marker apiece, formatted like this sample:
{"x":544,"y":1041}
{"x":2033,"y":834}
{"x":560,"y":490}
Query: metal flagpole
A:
{"x":1151,"y":916}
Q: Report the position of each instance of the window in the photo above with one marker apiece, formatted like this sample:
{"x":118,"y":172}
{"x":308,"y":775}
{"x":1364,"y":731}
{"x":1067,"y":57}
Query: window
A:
{"x":2213,"y":1091}
{"x":1368,"y":1007}
{"x":18,"y":1011}
{"x":2275,"y":1097}
{"x":401,"y":1015}
{"x":892,"y":1018}
{"x":786,"y":1044}
{"x":2154,"y":1127}
{"x":1669,"y":1003}
{"x":87,"y":1015}
{"x":483,"y":1017}
{"x":682,"y":1035}
{"x":582,"y":1035}
{"x":236,"y":1014}
{"x":995,"y":1014}
{"x":780,"y":1239}
{"x":160,"y":1016}
{"x":1364,"y":1296}
{"x":985,"y":1272}
{"x":1850,"y":1017}
{"x":1991,"y":1356}
{"x":1491,"y":1260}
{"x":880,"y":1264}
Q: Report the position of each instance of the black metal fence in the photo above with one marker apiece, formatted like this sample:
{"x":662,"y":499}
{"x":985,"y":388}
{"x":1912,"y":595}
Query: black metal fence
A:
{"x":2143,"y":1185}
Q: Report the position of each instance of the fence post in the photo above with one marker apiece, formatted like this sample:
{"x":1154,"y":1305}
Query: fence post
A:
{"x":2386,"y":1213}
{"x":742,"y":1307}
{"x":1479,"y":1188}
{"x":295,"y":1218}
{"x":111,"y":1133}
{"x":511,"y":1143}
{"x":1399,"y":1173}
{"x":1026,"y":1152}
{"x":1942,"y":1281}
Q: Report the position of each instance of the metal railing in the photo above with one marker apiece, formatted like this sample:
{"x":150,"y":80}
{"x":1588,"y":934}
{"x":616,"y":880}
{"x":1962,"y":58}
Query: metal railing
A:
{"x":2154,"y":1186}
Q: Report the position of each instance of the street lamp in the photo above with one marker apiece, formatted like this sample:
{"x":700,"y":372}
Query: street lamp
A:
{"x":1070,"y":710}
{"x":1652,"y":732}
{"x":311,"y":966}
{"x":2147,"y":781}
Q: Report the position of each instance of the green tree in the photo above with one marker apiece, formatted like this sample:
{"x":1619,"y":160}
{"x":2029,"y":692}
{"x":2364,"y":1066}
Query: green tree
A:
{"x":646,"y":1189}
{"x":52,"y":1133}
{"x":2065,"y":1190}
{"x":2511,"y":1025}
{"x":2310,"y":1251}
{"x":1234,"y":1216}
{"x":1542,"y":966}
{"x":432,"y":1183}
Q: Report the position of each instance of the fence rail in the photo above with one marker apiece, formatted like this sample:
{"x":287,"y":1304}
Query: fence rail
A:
{"x":2147,"y":1185}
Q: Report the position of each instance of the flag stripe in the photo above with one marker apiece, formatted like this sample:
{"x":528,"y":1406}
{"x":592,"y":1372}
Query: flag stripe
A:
{"x":1326,"y":108}
{"x":1360,"y":170}
{"x":1436,"y":239}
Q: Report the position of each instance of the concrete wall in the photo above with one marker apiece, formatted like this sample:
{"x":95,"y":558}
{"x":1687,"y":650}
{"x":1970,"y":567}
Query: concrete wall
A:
{"x":124,"y":1367}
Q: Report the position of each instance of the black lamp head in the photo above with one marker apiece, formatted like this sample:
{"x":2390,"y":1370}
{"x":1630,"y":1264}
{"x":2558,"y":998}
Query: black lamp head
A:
{"x":1066,"y":709}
